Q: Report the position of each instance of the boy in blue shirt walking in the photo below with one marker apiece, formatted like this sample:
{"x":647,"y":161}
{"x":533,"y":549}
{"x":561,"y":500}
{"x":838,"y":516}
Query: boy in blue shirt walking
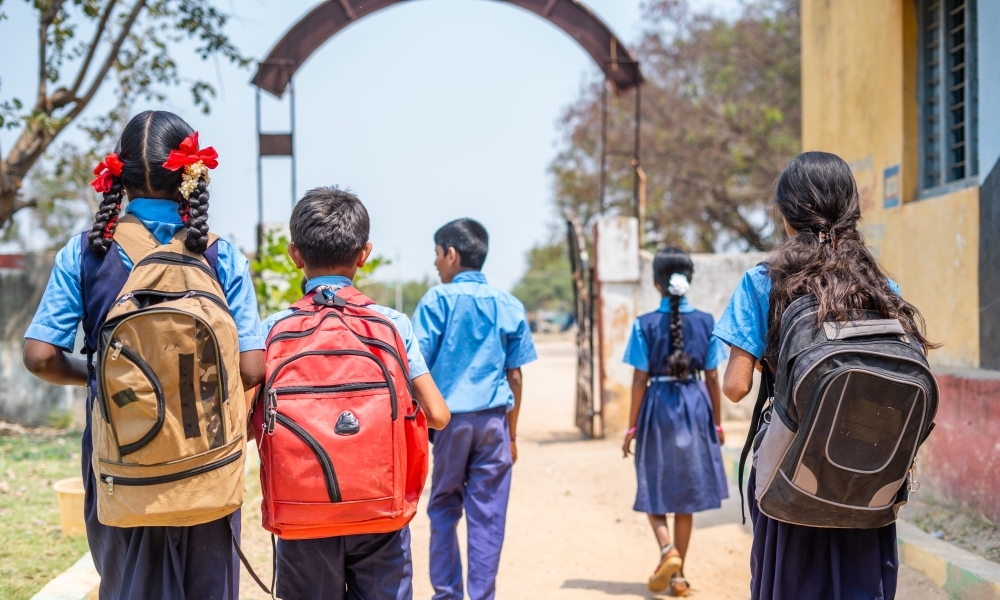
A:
{"x":475,"y":338}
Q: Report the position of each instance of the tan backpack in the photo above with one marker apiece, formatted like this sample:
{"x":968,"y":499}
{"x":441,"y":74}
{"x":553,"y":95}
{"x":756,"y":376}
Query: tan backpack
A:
{"x":169,"y":419}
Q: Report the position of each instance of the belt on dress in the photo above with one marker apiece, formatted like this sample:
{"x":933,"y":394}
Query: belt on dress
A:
{"x":661,"y":378}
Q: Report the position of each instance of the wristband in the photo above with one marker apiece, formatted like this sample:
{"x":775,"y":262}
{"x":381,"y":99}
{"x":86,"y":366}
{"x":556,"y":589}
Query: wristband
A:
{"x":631,"y":431}
{"x":513,"y":438}
{"x":718,"y":428}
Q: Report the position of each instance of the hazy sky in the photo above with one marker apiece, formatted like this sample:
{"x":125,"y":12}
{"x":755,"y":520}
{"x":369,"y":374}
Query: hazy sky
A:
{"x":430,"y":110}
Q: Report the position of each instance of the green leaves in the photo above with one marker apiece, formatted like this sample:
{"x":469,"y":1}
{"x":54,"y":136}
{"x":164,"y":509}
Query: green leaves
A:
{"x":277,"y":281}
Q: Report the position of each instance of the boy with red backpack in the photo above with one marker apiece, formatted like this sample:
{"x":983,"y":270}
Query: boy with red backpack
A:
{"x":337,"y":419}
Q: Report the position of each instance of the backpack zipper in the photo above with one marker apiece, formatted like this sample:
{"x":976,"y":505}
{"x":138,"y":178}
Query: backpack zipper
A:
{"x":154,"y":381}
{"x":331,"y":389}
{"x":329,"y":475}
{"x":172,"y":258}
{"x":385,"y":373}
{"x":112,"y":480}
{"x":131,"y":297}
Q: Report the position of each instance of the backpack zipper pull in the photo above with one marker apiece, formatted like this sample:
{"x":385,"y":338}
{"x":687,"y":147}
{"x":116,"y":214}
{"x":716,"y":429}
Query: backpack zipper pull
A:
{"x":125,"y":298}
{"x":914,"y":484}
{"x":116,"y":347}
{"x":272,"y":411}
{"x":111,"y":486}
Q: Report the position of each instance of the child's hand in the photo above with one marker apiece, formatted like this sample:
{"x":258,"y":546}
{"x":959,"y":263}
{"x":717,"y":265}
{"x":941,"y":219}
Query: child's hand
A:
{"x":627,"y":446}
{"x":513,"y":451}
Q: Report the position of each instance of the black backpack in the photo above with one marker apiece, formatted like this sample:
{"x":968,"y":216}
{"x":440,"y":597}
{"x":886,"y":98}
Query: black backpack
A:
{"x":852,"y":402}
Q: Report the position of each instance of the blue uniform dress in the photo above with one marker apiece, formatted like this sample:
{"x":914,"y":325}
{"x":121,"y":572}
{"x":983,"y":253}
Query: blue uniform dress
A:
{"x":369,"y":566}
{"x":678,"y":460}
{"x":471,"y":333}
{"x":793,"y":562}
{"x":170,"y":563}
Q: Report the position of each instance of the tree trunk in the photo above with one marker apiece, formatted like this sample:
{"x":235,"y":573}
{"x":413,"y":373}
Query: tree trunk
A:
{"x":26,"y":151}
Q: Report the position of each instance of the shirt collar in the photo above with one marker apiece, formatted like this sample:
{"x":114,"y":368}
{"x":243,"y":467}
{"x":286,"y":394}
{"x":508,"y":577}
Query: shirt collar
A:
{"x":334,"y":281}
{"x":685,"y":305}
{"x":154,"y":209}
{"x":473,"y":276}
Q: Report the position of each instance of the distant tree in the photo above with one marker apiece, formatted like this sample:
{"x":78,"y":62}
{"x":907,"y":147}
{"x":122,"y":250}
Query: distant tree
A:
{"x":130,"y":41}
{"x":721,"y":118}
{"x":384,"y":293}
{"x":547,"y":282}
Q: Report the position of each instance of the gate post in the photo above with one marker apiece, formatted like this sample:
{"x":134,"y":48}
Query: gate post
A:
{"x":616,"y":241}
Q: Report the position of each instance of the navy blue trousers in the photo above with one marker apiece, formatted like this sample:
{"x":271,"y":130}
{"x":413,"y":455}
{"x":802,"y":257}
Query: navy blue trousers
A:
{"x":350,"y":567}
{"x":161,"y":563}
{"x":792,"y":562}
{"x":472,"y":470}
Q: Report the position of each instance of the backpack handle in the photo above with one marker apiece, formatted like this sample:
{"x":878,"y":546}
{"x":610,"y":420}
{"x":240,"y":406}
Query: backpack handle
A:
{"x":139,"y":242}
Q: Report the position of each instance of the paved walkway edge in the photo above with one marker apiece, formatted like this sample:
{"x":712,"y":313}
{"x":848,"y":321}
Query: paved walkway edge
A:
{"x":78,"y":582}
{"x":961,"y":574}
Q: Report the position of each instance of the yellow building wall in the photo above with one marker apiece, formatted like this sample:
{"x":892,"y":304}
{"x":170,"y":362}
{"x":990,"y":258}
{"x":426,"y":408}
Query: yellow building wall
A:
{"x":859,"y":101}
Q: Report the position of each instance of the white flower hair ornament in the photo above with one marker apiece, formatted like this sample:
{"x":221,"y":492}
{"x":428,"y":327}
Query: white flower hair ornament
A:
{"x":679,"y":285}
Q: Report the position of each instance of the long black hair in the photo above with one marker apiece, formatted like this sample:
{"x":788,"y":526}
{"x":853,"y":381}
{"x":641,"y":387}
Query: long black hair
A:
{"x":666,"y":263}
{"x":827,"y":258}
{"x":143,"y":147}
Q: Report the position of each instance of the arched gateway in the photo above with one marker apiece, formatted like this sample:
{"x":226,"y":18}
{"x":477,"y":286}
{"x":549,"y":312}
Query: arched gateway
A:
{"x":621,"y":71}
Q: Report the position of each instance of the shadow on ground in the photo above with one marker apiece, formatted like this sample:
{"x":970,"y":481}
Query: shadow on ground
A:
{"x":612,"y":588}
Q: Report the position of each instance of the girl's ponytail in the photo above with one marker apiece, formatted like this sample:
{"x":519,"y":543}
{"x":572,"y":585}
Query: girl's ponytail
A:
{"x":194,"y":214}
{"x":108,"y":182}
{"x":672,"y":271}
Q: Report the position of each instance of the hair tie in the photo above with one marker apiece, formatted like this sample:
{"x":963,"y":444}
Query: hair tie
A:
{"x":830,"y":236}
{"x":195,"y":163}
{"x":679,"y":285}
{"x":106,"y":171}
{"x":109,"y":229}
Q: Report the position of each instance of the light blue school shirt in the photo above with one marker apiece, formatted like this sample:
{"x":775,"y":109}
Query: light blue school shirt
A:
{"x":61,"y":309}
{"x":413,"y":356}
{"x":471,"y":333}
{"x":637,"y":350}
{"x":744,"y":323}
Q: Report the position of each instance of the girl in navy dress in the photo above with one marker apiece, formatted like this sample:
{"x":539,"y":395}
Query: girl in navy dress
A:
{"x":675,"y":419}
{"x":824,"y":256}
{"x":166,"y":563}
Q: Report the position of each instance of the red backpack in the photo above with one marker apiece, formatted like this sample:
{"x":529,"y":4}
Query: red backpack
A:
{"x":342,"y":442}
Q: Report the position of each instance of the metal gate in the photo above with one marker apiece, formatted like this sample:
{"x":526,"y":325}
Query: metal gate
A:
{"x":588,"y":412}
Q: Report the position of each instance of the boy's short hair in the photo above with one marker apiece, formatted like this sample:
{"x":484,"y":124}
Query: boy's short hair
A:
{"x":330,"y":227}
{"x":469,"y":238}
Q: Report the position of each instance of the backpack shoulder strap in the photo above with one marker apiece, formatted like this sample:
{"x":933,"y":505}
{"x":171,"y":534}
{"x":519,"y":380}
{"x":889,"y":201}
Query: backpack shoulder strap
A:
{"x":135,"y":239}
{"x":352,"y":295}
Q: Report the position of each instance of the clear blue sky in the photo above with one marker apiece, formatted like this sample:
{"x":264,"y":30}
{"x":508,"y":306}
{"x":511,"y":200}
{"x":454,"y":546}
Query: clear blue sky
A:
{"x":428,"y":110}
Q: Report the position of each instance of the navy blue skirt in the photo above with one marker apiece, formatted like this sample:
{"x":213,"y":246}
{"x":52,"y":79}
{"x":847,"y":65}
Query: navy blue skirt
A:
{"x":166,"y":563}
{"x":678,"y":460}
{"x":792,"y":562}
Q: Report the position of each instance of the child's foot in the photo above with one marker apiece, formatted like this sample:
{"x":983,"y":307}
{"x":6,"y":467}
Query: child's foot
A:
{"x":670,"y":564}
{"x":679,"y":586}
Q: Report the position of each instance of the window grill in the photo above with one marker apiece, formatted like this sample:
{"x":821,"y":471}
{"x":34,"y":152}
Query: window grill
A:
{"x":948,"y":91}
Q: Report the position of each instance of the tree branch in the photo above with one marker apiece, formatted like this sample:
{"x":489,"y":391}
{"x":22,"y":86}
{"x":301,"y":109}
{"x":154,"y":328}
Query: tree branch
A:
{"x":98,"y":32}
{"x":46,"y":20}
{"x":19,"y":204}
{"x":108,"y":62}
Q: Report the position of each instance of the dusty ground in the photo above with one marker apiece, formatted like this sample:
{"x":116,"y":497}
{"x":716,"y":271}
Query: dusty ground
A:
{"x":571,"y":531}
{"x":959,"y":525}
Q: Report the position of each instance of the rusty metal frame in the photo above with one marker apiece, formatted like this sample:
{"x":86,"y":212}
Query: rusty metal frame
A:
{"x":328,"y":18}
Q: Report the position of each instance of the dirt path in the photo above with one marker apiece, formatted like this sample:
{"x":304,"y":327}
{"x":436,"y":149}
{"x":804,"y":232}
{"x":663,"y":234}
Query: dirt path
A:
{"x":571,"y":531}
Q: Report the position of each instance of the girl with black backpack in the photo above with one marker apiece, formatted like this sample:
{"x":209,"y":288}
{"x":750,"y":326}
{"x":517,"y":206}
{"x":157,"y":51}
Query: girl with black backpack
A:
{"x":824,"y":256}
{"x":675,"y":418}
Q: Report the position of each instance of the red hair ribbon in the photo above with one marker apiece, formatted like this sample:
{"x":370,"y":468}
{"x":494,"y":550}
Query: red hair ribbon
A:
{"x":106,"y":171}
{"x":189,"y":154}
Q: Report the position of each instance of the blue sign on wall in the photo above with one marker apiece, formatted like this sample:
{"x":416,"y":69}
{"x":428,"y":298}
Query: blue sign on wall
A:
{"x":890,"y":190}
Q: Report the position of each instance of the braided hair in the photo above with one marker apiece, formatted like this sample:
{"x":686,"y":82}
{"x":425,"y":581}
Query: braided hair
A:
{"x":666,"y":263}
{"x":144,"y":146}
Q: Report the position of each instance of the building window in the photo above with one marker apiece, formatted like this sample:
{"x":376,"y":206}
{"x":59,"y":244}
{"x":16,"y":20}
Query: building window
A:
{"x":948,"y":93}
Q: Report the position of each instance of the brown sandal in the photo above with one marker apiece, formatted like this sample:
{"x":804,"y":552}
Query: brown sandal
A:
{"x":679,"y":586}
{"x":670,"y":564}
